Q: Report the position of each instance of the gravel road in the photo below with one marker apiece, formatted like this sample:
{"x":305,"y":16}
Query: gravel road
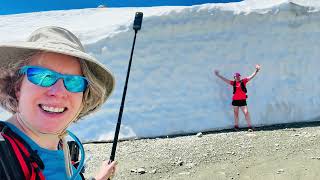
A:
{"x":284,"y":152}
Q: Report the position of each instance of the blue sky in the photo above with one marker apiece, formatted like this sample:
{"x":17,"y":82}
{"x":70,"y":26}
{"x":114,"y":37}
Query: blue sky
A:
{"x":23,"y":6}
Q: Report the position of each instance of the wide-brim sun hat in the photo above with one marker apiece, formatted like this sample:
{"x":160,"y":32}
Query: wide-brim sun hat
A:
{"x":57,"y":40}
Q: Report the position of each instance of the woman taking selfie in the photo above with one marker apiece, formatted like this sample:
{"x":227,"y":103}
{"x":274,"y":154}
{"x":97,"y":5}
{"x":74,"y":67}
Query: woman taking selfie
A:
{"x":48,"y":83}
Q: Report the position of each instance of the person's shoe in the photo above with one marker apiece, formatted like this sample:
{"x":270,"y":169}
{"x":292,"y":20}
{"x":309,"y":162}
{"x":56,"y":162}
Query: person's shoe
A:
{"x":236,"y":128}
{"x":250,"y":129}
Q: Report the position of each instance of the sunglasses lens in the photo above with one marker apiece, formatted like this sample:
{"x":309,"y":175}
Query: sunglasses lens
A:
{"x":75,"y":83}
{"x":41,"y":77}
{"x":45,"y":78}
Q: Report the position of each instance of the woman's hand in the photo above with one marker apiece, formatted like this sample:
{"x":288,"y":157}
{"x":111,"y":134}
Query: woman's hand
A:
{"x":258,"y":67}
{"x":216,"y":72}
{"x":106,"y":170}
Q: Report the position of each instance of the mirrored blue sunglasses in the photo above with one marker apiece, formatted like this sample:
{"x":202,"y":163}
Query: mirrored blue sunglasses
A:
{"x":45,"y":78}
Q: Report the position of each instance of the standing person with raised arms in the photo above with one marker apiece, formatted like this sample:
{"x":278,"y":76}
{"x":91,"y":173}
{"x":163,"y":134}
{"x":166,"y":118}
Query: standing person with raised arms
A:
{"x":239,"y":99}
{"x":48,"y":82}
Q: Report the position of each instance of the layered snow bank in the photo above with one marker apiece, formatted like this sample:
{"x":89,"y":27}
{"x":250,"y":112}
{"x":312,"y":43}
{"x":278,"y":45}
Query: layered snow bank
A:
{"x":172,"y":89}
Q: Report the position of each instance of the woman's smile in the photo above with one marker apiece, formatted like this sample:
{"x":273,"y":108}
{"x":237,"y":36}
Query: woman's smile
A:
{"x":52,"y":109}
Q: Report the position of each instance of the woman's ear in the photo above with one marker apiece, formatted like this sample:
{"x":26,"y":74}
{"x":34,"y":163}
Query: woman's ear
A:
{"x":18,"y":95}
{"x":17,"y":92}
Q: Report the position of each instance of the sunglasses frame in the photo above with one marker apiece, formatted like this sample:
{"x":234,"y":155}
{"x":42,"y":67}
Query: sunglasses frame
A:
{"x":24,"y":70}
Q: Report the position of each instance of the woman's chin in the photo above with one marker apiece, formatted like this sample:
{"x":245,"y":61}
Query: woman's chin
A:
{"x":49,"y":130}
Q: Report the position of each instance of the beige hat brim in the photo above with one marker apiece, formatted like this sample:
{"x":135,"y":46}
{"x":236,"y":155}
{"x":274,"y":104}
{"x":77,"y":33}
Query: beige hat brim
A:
{"x":10,"y":52}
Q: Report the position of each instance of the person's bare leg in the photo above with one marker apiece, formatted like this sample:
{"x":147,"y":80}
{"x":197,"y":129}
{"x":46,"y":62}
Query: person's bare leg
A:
{"x":236,"y":117}
{"x":246,"y":115}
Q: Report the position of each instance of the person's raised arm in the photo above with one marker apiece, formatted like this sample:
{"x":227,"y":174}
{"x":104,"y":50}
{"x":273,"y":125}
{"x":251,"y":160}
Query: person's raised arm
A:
{"x":216,"y":72}
{"x":254,"y":73}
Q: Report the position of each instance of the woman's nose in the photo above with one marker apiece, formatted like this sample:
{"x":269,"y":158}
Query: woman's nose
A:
{"x":58,"y":89}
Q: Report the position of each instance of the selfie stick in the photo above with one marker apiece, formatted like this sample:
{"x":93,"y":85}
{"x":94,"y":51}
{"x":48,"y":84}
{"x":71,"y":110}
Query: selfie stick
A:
{"x":136,"y":26}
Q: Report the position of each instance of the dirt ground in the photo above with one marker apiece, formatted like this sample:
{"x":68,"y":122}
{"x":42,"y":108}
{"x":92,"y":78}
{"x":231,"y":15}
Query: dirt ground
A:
{"x":284,"y":152}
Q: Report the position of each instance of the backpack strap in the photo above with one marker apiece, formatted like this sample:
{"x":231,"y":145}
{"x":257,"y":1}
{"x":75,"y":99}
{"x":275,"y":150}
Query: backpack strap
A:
{"x":9,"y":168}
{"x":243,"y":87}
{"x":234,"y":87}
{"x":74,"y":155}
{"x":29,"y":162}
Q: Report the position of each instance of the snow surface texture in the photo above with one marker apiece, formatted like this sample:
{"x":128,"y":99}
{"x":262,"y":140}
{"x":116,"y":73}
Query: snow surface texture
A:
{"x":172,"y":89}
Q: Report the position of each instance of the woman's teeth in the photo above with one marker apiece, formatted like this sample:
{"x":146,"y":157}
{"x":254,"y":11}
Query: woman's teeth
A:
{"x":52,"y":109}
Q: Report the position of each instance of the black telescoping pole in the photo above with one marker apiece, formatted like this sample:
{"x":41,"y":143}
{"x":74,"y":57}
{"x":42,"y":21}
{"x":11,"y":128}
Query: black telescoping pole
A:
{"x":136,"y":26}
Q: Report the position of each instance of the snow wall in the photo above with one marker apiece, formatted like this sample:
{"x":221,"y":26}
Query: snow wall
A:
{"x":172,"y":89}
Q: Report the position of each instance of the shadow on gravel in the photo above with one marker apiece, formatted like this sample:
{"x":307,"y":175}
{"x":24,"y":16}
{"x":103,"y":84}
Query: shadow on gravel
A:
{"x":313,"y":123}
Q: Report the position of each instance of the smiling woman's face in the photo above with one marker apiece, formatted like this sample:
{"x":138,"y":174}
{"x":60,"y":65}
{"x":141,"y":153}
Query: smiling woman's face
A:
{"x":50,"y":109}
{"x":237,"y":78}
